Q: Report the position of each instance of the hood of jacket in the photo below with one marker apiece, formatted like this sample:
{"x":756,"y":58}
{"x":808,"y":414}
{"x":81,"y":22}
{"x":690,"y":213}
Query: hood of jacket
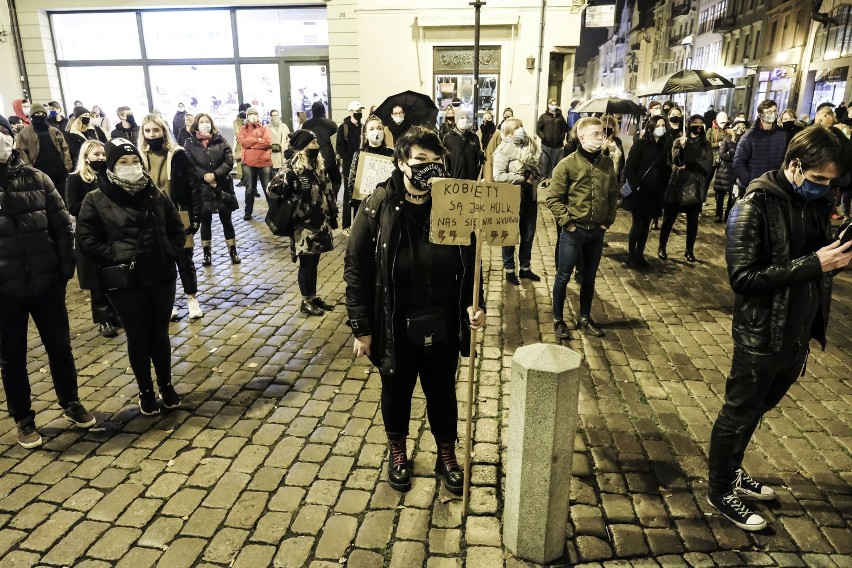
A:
{"x":18,"y":107}
{"x":768,"y":182}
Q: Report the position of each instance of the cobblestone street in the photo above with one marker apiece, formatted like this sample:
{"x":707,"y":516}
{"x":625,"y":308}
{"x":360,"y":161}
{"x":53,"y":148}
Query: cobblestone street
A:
{"x":277,"y":456}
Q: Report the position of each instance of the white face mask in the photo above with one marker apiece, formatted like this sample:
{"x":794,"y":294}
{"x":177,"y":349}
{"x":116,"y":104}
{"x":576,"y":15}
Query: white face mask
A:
{"x":656,"y":111}
{"x":660,"y":131}
{"x":130,"y":173}
{"x":463,"y":124}
{"x":6,"y":145}
{"x":254,"y":119}
{"x":769,"y":116}
{"x":553,"y":108}
{"x":398,"y":119}
{"x":520,"y":135}
{"x":26,"y":109}
{"x":375,"y":136}
{"x":591,"y":144}
{"x":205,"y":127}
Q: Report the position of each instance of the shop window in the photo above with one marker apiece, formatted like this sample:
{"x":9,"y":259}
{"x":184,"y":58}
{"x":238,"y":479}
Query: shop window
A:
{"x":453,"y":72}
{"x":262,"y":87}
{"x":96,"y":36}
{"x":106,"y":87}
{"x":188,"y":34}
{"x":262,"y":33}
{"x":201,"y":88}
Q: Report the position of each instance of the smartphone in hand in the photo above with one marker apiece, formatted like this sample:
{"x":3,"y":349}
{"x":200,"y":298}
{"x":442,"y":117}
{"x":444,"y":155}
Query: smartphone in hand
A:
{"x":846,"y":236}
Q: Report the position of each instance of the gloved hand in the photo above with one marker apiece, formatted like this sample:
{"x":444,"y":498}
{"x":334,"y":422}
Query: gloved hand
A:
{"x":193,"y":228}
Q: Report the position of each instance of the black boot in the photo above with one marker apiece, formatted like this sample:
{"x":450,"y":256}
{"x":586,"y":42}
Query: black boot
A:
{"x":235,"y":258}
{"x":208,"y":260}
{"x":399,"y":470}
{"x":448,"y":468}
{"x":661,"y":253}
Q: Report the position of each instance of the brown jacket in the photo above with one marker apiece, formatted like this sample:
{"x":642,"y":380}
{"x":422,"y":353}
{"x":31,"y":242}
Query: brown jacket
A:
{"x":488,"y":166}
{"x":26,"y":142}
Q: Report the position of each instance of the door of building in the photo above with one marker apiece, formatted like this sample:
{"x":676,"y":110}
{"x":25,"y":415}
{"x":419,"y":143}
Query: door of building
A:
{"x":304,"y":82}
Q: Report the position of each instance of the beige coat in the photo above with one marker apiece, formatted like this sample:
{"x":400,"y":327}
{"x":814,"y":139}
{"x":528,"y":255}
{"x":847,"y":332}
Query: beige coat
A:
{"x":26,"y":142}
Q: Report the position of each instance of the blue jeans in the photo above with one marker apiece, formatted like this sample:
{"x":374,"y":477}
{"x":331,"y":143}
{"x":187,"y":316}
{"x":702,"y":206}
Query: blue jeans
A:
{"x":589,"y":243}
{"x":549,"y":158}
{"x":528,"y":216}
{"x":250,"y":177}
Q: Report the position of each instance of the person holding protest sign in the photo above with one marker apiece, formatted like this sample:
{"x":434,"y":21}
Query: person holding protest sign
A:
{"x":583,"y":199}
{"x":409,"y":304}
{"x":516,"y":161}
{"x":372,"y":142}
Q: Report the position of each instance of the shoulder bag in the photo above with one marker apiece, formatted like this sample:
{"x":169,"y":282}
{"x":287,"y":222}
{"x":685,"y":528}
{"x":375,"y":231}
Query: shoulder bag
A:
{"x":626,"y":190}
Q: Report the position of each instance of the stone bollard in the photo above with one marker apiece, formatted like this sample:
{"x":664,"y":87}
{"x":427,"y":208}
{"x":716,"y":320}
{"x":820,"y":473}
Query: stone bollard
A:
{"x":543,"y":420}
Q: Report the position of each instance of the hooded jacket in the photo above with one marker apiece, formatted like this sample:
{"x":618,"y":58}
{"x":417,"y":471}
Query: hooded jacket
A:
{"x":552,"y":128}
{"x":368,"y":273}
{"x":764,"y":228}
{"x":348,"y":140}
{"x":36,"y":238}
{"x":324,"y":129}
{"x":759,"y":151}
{"x":18,"y":107}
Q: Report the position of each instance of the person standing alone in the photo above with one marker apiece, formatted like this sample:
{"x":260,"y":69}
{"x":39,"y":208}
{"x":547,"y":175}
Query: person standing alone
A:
{"x":551,"y":129}
{"x":256,"y":143}
{"x":348,"y":142}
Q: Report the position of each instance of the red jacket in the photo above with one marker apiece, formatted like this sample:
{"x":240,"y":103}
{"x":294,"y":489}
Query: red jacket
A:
{"x":256,"y":142}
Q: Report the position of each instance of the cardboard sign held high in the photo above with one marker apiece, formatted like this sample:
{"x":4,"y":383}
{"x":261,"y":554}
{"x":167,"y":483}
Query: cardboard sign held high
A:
{"x":460,"y":207}
{"x":373,"y":169}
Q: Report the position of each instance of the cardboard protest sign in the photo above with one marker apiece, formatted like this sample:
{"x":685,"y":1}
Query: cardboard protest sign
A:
{"x":461,"y":206}
{"x":372,"y":170}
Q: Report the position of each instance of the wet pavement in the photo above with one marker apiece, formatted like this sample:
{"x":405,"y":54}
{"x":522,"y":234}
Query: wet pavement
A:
{"x":277,"y":456}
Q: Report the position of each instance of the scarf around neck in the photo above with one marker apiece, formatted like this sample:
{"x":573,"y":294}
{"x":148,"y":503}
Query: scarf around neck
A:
{"x":131,"y":187}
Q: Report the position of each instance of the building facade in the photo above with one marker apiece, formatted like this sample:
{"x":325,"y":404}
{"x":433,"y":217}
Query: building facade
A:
{"x":289,"y":54}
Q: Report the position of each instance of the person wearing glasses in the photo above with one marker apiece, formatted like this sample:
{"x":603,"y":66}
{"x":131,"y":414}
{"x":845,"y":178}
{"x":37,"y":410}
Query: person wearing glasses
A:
{"x":584,"y":199}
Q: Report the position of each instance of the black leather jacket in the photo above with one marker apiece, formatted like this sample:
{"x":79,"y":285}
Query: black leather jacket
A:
{"x":762,"y":272}
{"x":368,"y":272}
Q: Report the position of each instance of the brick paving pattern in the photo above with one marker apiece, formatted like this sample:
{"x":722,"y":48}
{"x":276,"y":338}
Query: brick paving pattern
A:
{"x":277,"y":456}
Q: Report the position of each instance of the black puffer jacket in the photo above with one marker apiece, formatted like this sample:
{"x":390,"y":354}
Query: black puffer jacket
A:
{"x":696,"y":158}
{"x":725,"y":175}
{"x":217,"y":159}
{"x":109,"y":227}
{"x":368,"y":273}
{"x":552,"y":128}
{"x":76,"y":189}
{"x":464,"y":157}
{"x":762,"y":271}
{"x":36,"y":238}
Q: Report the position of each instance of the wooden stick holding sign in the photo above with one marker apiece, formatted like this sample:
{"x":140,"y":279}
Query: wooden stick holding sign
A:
{"x":372,"y":170}
{"x":491,"y":213}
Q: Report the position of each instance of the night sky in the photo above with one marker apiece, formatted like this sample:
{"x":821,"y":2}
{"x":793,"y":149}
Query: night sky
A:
{"x":590,"y":40}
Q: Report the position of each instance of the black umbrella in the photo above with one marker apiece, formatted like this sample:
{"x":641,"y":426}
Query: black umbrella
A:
{"x":419,"y":108}
{"x":611,"y":106}
{"x":695,"y":81}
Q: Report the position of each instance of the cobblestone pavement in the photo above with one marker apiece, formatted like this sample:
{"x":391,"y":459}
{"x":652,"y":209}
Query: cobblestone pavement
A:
{"x":277,"y":456}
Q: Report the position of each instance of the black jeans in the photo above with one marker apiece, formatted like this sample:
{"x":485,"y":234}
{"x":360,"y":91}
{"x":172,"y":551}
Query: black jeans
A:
{"x":722,"y":211}
{"x":436,"y":365}
{"x":51,"y":319}
{"x":186,"y":269}
{"x":528,"y":217}
{"x":348,"y":214}
{"x":250,"y":177}
{"x":207,"y":225}
{"x":670,"y":213}
{"x":757,"y":383}
{"x":102,"y":310}
{"x":587,"y":243}
{"x":307,"y":276}
{"x":638,"y":236}
{"x":145,"y":313}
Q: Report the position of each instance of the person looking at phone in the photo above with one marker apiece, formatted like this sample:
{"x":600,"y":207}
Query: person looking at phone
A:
{"x":781,"y":258}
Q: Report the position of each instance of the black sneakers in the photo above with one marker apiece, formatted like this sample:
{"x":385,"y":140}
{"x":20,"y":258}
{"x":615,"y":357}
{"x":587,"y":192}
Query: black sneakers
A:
{"x":528,"y":274}
{"x":512,"y":278}
{"x":77,"y":414}
{"x":587,"y":325}
{"x":171,"y":399}
{"x":561,"y":329}
{"x":28,"y":436}
{"x":737,"y":512}
{"x":148,"y":403}
{"x":745,"y":485}
{"x":309,"y":308}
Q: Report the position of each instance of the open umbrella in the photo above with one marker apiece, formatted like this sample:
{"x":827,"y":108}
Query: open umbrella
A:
{"x":695,"y":81}
{"x":419,"y":108}
{"x":611,"y":106}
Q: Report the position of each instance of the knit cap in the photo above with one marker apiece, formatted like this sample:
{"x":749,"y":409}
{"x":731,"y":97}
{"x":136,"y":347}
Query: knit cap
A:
{"x":300,"y":139}
{"x":37,"y":108}
{"x":118,"y":147}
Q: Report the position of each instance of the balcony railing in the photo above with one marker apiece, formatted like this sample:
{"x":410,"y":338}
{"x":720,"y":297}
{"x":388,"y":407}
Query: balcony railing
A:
{"x":675,"y":40}
{"x":724,"y":24}
{"x":681,"y":9}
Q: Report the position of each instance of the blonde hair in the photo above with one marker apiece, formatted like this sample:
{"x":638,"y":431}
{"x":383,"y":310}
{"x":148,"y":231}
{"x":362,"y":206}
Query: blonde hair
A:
{"x":168,"y":145}
{"x":364,"y":141}
{"x":510,"y":125}
{"x":585,"y":122}
{"x":300,"y":163}
{"x":84,"y":170}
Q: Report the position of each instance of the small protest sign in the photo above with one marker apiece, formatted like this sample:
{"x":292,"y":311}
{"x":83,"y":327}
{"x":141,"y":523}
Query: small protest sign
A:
{"x":460,"y":207}
{"x":372,"y":170}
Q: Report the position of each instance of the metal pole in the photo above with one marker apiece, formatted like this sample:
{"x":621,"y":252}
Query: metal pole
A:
{"x":477,"y":5}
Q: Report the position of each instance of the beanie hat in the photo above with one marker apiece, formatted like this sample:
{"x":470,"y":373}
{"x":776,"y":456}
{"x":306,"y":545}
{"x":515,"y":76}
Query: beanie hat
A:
{"x":318,"y":109}
{"x":244,"y":106}
{"x":80,"y":111}
{"x":252,"y":110}
{"x":37,"y":108}
{"x":722,"y":118}
{"x":5,"y":124}
{"x":301,"y":138}
{"x":118,"y":147}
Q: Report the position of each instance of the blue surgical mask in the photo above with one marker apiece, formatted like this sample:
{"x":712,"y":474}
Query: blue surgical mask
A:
{"x":519,"y":136}
{"x":810,"y":191}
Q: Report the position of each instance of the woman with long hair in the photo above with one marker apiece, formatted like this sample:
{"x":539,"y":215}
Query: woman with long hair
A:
{"x":410,"y":304}
{"x":315,"y":217}
{"x":647,"y":171}
{"x":91,"y":162}
{"x":80,"y":129}
{"x":213,"y":160}
{"x":174,"y":173}
{"x":725,"y":175}
{"x":372,"y":142}
{"x":128,"y":221}
{"x":692,"y":157}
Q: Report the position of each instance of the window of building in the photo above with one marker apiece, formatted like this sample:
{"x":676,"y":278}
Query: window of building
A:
{"x":263,"y":32}
{"x":453,"y":68}
{"x":188,"y":34}
{"x":95,"y":36}
{"x":835,"y":41}
{"x":756,"y":43}
{"x":770,"y":47}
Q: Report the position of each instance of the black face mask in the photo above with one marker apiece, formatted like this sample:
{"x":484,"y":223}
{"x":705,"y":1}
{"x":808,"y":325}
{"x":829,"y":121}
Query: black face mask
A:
{"x":86,"y":120}
{"x":675,"y":120}
{"x":789,"y":124}
{"x":312,"y":154}
{"x":697,"y":130}
{"x":39,"y":123}
{"x":156,"y":144}
{"x":130,"y":120}
{"x":357,"y":116}
{"x":608,"y":132}
{"x":98,"y":165}
{"x":422,"y":173}
{"x":451,"y":119}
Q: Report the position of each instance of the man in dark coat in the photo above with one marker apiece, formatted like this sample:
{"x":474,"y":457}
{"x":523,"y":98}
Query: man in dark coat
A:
{"x":349,"y":138}
{"x":127,"y":127}
{"x":551,"y":128}
{"x":324,"y":129}
{"x":464,"y":152}
{"x":36,"y":262}
{"x":709,"y":116}
{"x":179,"y":121}
{"x":762,"y":148}
{"x":781,"y":273}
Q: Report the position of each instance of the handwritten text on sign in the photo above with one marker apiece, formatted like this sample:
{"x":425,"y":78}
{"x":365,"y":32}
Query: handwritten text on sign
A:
{"x":373,"y":169}
{"x":460,"y":207}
